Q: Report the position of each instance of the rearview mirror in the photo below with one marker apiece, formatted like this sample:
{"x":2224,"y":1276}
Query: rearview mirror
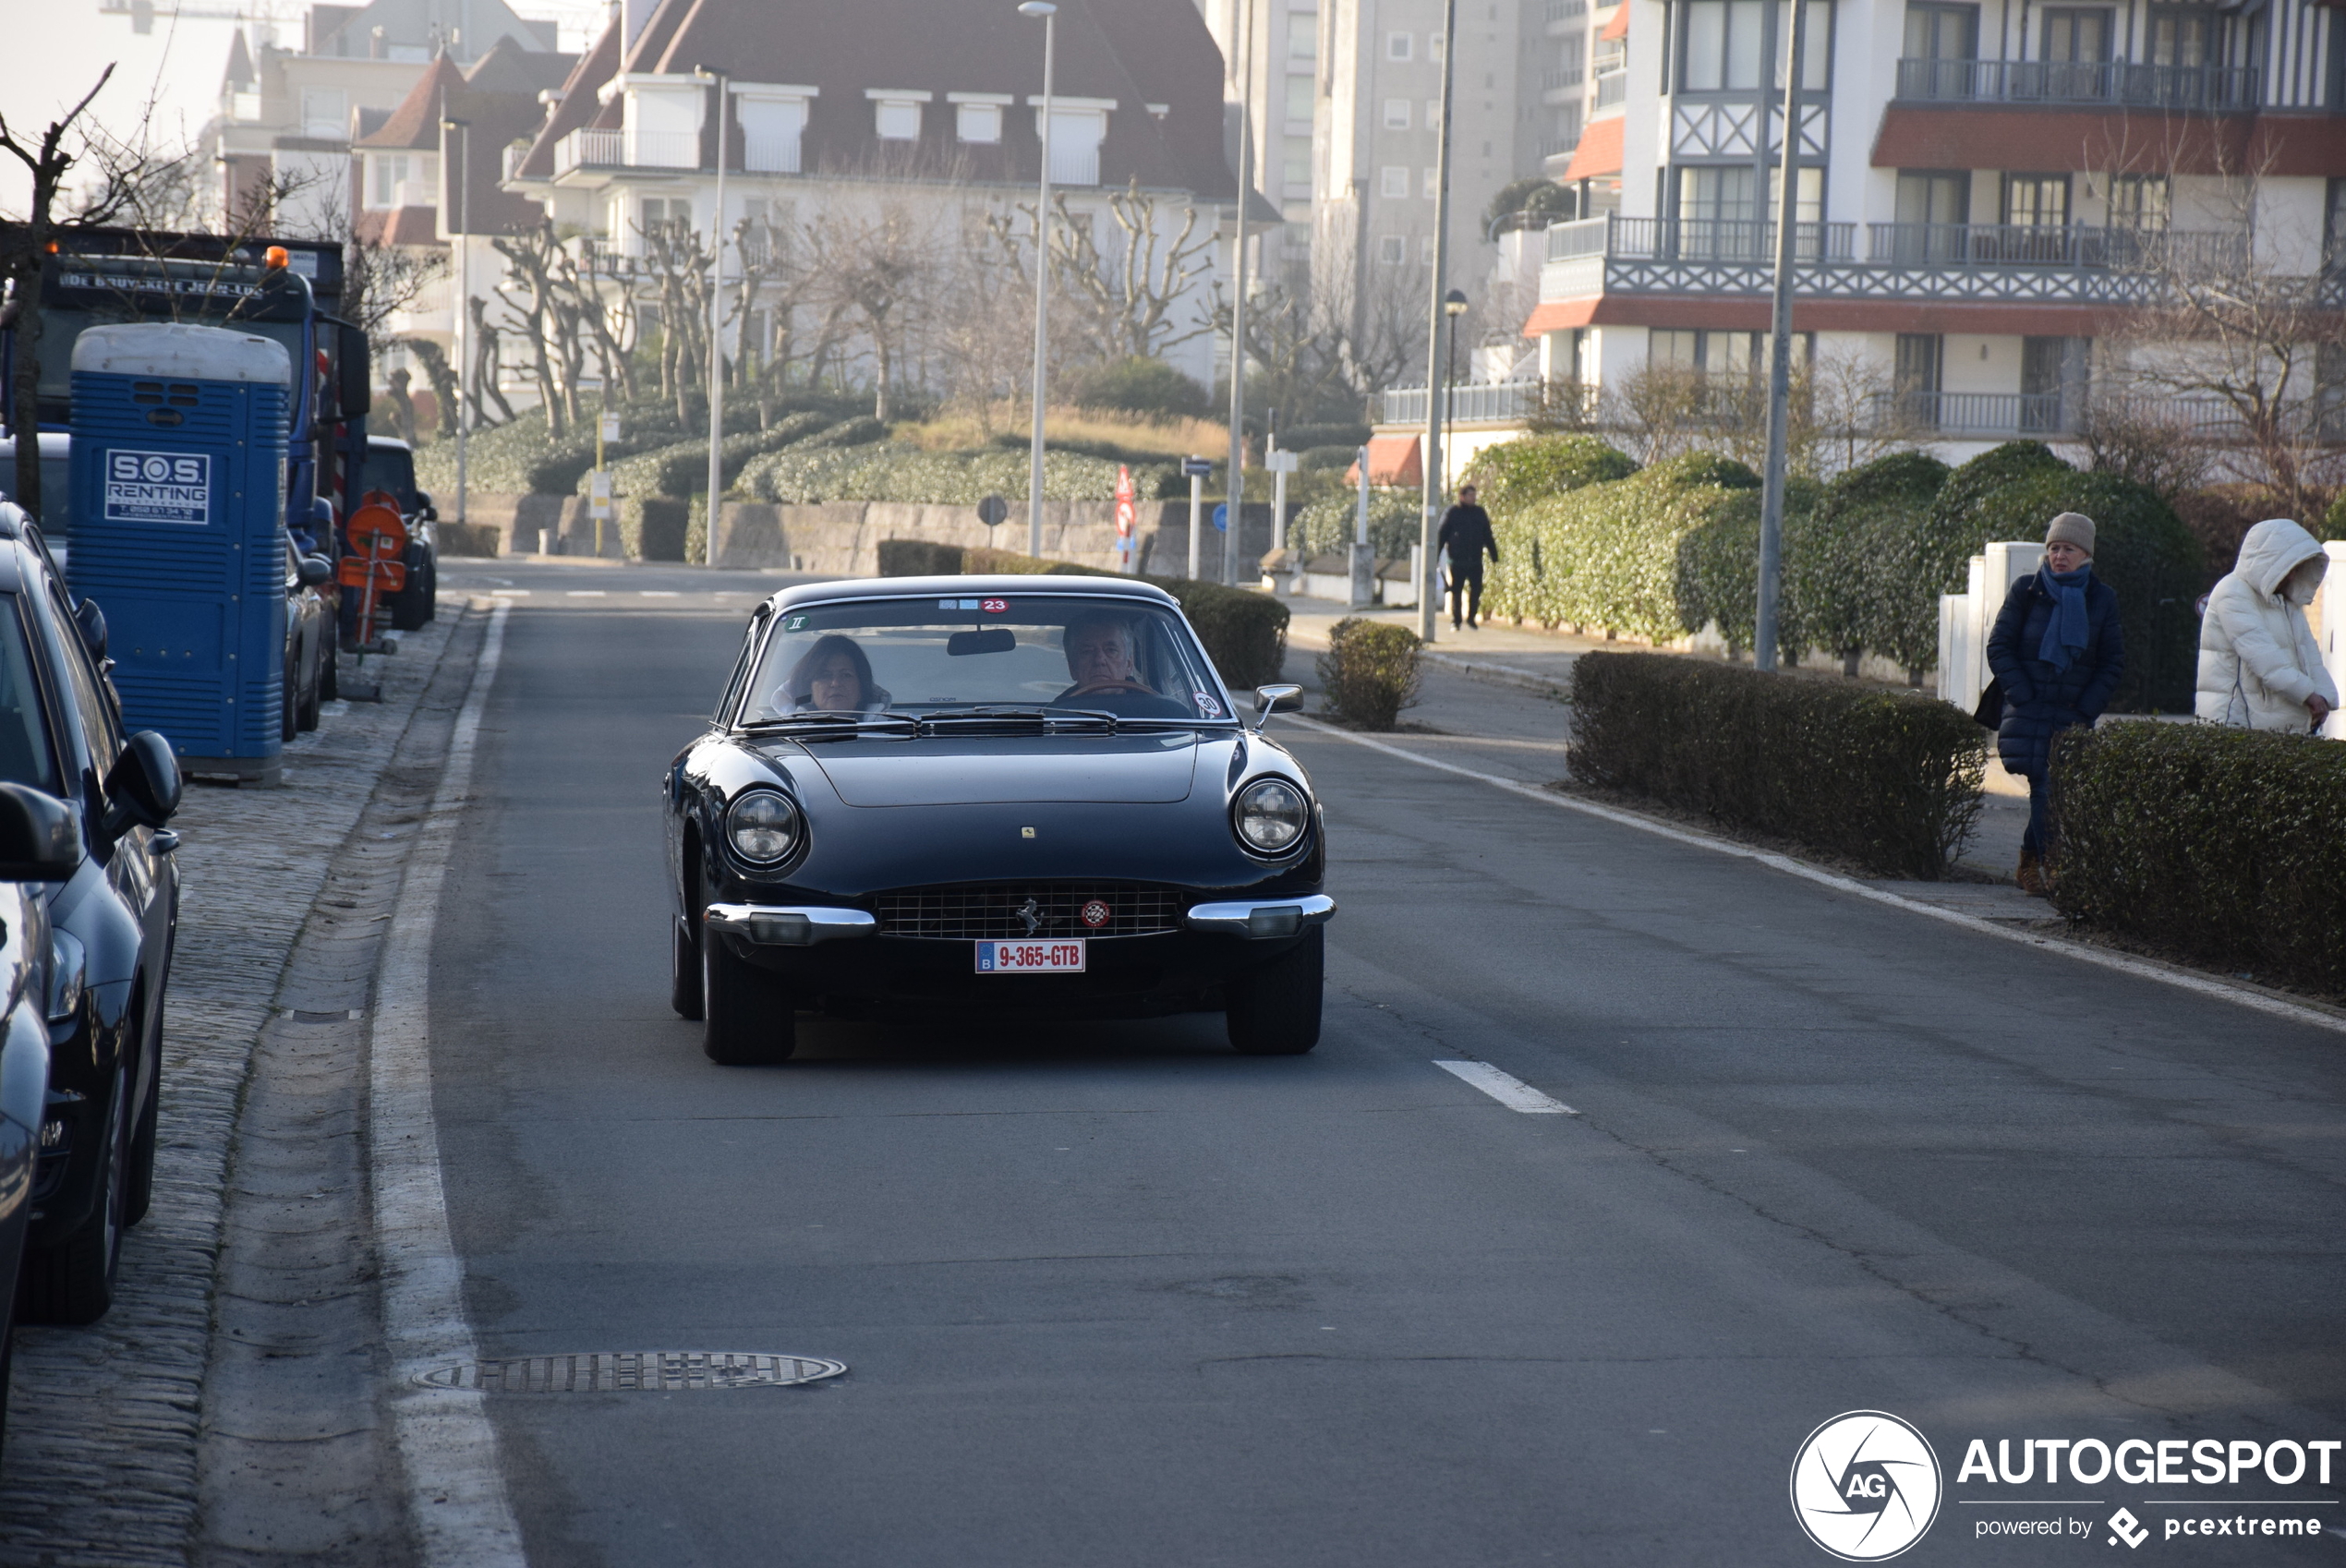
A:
{"x":354,"y":370}
{"x":985,"y":640}
{"x":90,"y":622}
{"x":142,"y":788}
{"x":38,"y":839}
{"x":1269,"y":700}
{"x":424,"y":508}
{"x":316,"y":571}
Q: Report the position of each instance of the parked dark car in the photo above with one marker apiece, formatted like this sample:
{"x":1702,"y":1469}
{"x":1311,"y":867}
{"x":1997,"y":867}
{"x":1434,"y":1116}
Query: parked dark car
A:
{"x":112,"y":923}
{"x":39,"y":843}
{"x":390,"y":466}
{"x":980,"y":797}
{"x":310,"y":639}
{"x":56,"y":478}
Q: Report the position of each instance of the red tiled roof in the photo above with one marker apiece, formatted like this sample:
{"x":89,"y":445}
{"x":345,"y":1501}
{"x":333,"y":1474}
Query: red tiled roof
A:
{"x":499,"y":103}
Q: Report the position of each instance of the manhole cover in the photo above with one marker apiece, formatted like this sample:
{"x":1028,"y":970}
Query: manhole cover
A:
{"x":623,"y":1371}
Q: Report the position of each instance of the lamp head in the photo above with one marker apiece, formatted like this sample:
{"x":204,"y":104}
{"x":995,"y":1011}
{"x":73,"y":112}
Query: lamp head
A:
{"x":1037,"y":8}
{"x":1455,"y":303}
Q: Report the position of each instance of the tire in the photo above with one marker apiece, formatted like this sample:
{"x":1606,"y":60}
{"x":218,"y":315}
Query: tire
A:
{"x":286,"y":721}
{"x":328,"y":675}
{"x":431,"y":587}
{"x":7,"y":1361}
{"x":138,"y":1170}
{"x":73,"y":1282}
{"x":683,"y":973}
{"x":1275,"y":1010}
{"x":412,"y":605}
{"x":306,"y":711}
{"x":748,"y":1016}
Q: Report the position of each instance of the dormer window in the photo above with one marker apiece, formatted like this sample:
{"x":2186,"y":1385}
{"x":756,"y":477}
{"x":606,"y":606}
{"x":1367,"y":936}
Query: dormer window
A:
{"x":773,"y":120}
{"x":1077,"y":126}
{"x":896,"y":115}
{"x":977,"y":116}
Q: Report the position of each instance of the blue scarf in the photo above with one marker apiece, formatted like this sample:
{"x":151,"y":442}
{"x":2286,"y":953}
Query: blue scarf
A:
{"x":2065,"y":634}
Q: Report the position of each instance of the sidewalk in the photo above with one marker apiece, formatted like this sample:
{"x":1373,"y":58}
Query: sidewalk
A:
{"x":101,"y":1463}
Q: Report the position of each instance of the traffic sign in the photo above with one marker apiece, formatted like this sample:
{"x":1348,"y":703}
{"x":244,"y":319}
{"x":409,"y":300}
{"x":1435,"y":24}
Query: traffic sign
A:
{"x":1126,"y":515}
{"x":610,"y":427}
{"x":1279,"y":462}
{"x":992,"y":510}
{"x":1197,"y":468}
{"x":1222,"y":518}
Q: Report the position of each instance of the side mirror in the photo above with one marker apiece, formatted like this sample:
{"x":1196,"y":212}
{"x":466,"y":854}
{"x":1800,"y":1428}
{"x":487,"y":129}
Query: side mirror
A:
{"x":142,"y":789}
{"x":316,"y":571}
{"x":355,"y":370}
{"x":38,"y":839}
{"x":91,"y":622}
{"x":424,"y":507}
{"x":1269,"y":700}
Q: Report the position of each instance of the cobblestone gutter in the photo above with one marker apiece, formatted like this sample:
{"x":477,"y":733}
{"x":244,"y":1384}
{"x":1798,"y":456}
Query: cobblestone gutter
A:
{"x":101,"y":1462}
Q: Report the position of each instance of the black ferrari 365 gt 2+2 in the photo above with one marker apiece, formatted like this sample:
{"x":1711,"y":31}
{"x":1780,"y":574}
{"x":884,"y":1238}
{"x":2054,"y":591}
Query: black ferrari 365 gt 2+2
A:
{"x":986,"y":796}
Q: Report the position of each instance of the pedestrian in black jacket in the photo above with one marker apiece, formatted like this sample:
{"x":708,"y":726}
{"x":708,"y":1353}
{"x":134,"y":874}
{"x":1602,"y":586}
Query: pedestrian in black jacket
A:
{"x":2058,"y":651}
{"x":1466,"y":534}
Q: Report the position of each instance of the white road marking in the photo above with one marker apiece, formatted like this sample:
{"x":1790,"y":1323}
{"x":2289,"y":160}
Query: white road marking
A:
{"x":455,"y":1488}
{"x":1507,"y":1090}
{"x":660,"y":593}
{"x":2180,"y":979}
{"x":588,"y":594}
{"x":509,"y":593}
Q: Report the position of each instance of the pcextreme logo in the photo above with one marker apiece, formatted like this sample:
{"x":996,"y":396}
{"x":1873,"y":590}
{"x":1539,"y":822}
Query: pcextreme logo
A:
{"x":1866,"y":1486}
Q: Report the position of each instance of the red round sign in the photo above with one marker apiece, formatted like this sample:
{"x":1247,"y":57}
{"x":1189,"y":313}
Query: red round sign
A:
{"x":996,"y":607}
{"x":1095,"y":914}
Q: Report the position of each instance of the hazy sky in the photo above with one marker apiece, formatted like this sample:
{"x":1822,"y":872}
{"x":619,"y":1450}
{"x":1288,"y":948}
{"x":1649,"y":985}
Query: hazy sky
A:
{"x":177,"y":66}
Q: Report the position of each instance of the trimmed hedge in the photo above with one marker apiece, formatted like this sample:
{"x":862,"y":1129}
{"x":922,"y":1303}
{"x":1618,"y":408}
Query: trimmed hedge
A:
{"x":1890,"y":780}
{"x":2221,"y":844}
{"x":1244,"y":633}
{"x":681,"y":468}
{"x":1370,"y":671}
{"x":807,"y":473}
{"x":1719,"y":567}
{"x":1325,"y":526}
{"x":1513,"y":475}
{"x":1858,"y":566}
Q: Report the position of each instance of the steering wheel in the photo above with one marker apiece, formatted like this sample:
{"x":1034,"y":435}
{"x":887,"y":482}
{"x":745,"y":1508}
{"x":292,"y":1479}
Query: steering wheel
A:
{"x":1109,"y":686}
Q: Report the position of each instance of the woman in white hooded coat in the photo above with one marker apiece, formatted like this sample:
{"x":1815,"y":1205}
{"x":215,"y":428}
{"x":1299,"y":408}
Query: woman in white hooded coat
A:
{"x":2258,"y":663}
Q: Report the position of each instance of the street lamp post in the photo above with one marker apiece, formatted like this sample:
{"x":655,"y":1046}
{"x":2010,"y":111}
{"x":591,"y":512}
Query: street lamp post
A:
{"x":452,"y":178}
{"x":1454,"y":305}
{"x":716,"y":323}
{"x":1234,"y":516}
{"x":1050,"y":13}
{"x":1763,"y":639}
{"x":1428,"y":574}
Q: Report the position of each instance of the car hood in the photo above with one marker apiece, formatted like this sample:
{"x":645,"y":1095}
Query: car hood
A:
{"x":1154,"y":769}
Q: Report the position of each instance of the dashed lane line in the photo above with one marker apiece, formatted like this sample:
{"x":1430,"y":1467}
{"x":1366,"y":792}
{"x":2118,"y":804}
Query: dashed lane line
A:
{"x":1507,"y":1088}
{"x":588,"y":594}
{"x":2181,"y":978}
{"x":455,"y":1489}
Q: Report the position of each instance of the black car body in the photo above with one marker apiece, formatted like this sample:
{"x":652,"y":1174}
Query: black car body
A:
{"x":309,"y":640}
{"x":925,"y":827}
{"x":113,"y":922}
{"x":391,"y":467}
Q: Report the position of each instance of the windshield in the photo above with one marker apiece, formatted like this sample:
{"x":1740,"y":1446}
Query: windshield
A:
{"x":24,"y":741}
{"x":938,"y":656}
{"x":60,"y":327}
{"x":390,"y":468}
{"x":56,"y":467}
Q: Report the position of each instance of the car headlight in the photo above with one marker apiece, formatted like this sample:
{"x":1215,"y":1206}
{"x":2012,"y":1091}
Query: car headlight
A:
{"x":1272,"y":814}
{"x":762,"y":826}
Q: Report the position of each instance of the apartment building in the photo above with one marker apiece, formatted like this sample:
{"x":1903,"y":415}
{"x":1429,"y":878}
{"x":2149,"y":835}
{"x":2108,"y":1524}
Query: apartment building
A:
{"x":1343,"y":97}
{"x":287,"y":114}
{"x":1988,"y":194}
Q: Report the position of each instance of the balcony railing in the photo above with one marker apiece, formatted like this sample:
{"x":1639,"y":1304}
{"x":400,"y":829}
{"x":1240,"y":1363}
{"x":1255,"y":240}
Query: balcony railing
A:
{"x":1556,"y":77}
{"x":587,"y":150}
{"x":2047,"y":244}
{"x":627,"y":150}
{"x":1612,"y":86}
{"x":770,"y":153}
{"x":2206,"y":87}
{"x":1486,"y":402}
{"x":1697,"y":239}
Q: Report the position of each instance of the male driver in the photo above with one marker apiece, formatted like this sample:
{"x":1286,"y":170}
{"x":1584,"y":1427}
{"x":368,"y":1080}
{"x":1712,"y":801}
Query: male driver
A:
{"x":1100,"y":652}
{"x":1466,"y":534}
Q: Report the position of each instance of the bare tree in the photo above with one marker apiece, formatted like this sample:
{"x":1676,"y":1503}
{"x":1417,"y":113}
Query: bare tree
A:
{"x":982,"y":340}
{"x":1661,"y":410}
{"x":2148,"y":440}
{"x":24,"y":247}
{"x":531,"y":258}
{"x":679,"y":265}
{"x":483,"y":374}
{"x":878,"y":268}
{"x":1128,"y":292}
{"x":442,"y":377}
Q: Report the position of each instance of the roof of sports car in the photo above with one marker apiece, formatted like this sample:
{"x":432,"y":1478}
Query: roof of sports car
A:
{"x":969,"y":586}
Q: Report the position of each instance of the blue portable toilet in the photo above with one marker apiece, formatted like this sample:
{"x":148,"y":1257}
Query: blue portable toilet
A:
{"x":178,"y":533}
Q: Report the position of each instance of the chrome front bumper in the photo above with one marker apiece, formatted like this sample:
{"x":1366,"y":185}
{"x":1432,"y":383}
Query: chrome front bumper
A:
{"x":1263,"y":919}
{"x":791,"y":925}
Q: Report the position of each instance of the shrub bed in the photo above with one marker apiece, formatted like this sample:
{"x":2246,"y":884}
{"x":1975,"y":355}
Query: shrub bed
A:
{"x":1513,"y":475}
{"x":1890,"y":780}
{"x":2218,"y":844}
{"x":1325,"y":526}
{"x":1244,"y":633}
{"x":808,"y":473}
{"x":1370,"y":671}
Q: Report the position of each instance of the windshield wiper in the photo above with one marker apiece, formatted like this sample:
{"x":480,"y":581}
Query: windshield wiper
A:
{"x":832,"y":725}
{"x":1049,"y":719}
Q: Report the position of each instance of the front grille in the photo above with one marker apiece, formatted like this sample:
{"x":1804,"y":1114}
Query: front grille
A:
{"x":1002,"y":910}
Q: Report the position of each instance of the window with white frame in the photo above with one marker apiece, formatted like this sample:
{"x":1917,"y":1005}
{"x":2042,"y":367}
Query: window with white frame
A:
{"x":1433,"y":114}
{"x":978,"y":124}
{"x":1397,"y":113}
{"x":1302,"y":34}
{"x":1432,"y":187}
{"x":1434,"y":47}
{"x":325,"y":112}
{"x":1400,"y":45}
{"x":1392,"y":250}
{"x":1076,"y":134}
{"x":896,"y":119}
{"x":1396,"y":182}
{"x":402,"y":179}
{"x":772,"y":121}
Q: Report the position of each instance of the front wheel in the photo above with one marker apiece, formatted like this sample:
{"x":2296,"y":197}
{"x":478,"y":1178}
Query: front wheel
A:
{"x":683,"y":972}
{"x":748,"y":1015}
{"x":1275,"y":1010}
{"x":73,"y":1282}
